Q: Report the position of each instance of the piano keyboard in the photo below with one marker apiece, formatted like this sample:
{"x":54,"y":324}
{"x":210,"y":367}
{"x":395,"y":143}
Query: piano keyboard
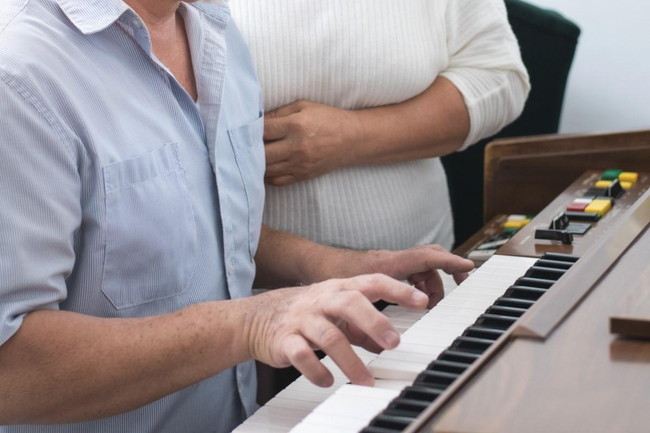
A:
{"x":432,"y":334}
{"x":436,"y":349}
{"x":294,"y":403}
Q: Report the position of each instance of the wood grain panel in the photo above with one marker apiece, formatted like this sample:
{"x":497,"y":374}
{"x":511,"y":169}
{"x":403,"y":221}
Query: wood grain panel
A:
{"x":522,"y":175}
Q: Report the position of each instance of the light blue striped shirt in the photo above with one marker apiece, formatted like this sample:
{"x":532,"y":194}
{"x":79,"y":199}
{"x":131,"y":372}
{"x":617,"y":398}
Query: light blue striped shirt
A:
{"x":119,"y":195}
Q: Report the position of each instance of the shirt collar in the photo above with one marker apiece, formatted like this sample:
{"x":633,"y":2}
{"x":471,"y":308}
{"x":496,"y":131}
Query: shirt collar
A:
{"x":92,"y":16}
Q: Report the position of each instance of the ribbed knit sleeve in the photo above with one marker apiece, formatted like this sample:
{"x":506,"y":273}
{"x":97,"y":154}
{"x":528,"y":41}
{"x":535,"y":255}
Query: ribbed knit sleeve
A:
{"x":485,"y":65}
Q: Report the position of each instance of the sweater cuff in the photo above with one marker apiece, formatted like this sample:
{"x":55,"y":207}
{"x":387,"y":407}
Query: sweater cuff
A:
{"x":493,"y":99}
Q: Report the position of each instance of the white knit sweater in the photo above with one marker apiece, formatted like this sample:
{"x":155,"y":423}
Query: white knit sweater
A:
{"x":364,"y":53}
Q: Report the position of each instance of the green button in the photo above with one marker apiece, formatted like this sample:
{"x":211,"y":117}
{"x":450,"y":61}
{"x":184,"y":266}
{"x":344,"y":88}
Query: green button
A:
{"x":610,"y":174}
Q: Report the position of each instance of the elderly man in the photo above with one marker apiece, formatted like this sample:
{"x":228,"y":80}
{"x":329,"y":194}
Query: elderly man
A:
{"x":131,"y":183}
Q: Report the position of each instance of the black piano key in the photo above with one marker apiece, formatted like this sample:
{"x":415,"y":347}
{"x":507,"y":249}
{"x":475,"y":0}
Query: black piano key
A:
{"x":557,"y":264}
{"x":541,"y":272}
{"x":541,"y":283}
{"x":420,"y":393}
{"x":406,"y":407}
{"x":458,"y":356}
{"x":523,"y":292}
{"x":495,"y":321}
{"x":448,"y":366}
{"x":398,"y":423}
{"x":506,"y":311}
{"x":483,"y":332}
{"x":560,"y":257}
{"x":373,"y":429}
{"x":514,"y":302}
{"x":435,"y":379}
{"x":470,"y":344}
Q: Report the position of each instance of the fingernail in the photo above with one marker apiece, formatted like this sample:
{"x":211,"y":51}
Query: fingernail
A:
{"x":391,"y":338}
{"x":368,"y":380}
{"x":419,"y":296}
{"x":326,"y":382}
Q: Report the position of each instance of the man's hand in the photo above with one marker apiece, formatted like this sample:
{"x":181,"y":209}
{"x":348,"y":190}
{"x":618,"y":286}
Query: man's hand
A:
{"x":286,"y":325}
{"x":419,"y":266}
{"x":284,"y":259}
{"x":305,"y":140}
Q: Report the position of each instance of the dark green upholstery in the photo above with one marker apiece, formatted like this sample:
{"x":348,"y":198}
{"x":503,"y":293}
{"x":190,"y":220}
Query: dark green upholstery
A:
{"x":548,"y":42}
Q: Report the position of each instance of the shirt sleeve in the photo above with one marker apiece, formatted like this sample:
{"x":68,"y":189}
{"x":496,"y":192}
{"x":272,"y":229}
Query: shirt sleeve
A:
{"x":40,"y":209}
{"x":485,"y":65}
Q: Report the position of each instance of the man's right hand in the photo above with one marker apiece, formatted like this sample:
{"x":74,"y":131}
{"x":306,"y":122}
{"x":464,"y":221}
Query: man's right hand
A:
{"x":285,"y":326}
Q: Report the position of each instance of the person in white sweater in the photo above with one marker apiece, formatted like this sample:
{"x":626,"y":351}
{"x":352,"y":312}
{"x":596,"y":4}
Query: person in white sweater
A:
{"x":362,"y":97}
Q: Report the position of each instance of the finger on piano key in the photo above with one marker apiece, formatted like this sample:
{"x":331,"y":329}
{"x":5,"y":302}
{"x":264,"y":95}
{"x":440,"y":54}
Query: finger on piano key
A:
{"x":488,"y":282}
{"x":302,"y":394}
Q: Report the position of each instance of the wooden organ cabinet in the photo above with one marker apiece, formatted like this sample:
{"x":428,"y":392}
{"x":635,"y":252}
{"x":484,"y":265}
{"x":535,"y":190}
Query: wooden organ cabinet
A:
{"x":550,"y":334}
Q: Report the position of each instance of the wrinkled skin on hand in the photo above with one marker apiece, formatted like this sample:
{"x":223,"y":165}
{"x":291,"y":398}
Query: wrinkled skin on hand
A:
{"x":286,"y":325}
{"x":418,"y":265}
{"x":306,"y":140}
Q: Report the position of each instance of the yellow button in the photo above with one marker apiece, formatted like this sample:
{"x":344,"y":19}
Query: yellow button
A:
{"x":515,"y":224}
{"x":626,"y":185}
{"x":599,"y":206}
{"x":628,"y":176}
{"x":603,"y":183}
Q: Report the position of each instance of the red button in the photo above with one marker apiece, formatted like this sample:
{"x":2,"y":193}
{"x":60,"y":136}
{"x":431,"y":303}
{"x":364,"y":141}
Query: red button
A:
{"x":577,"y":207}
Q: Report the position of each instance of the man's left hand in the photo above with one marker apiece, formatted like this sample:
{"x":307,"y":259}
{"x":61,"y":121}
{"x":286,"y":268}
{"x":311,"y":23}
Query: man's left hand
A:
{"x":419,"y":266}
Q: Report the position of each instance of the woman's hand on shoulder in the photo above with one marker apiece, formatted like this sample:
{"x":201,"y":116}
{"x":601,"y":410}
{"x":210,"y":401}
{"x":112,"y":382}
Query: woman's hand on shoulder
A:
{"x":305,"y":140}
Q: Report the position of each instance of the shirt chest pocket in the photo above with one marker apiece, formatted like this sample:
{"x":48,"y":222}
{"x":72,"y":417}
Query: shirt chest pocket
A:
{"x":150,"y":237}
{"x":248,"y":148}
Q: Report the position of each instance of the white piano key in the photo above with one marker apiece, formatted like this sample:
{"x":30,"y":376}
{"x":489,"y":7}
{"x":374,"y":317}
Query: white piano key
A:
{"x":383,"y":368}
{"x":428,"y":336}
{"x":253,"y":427}
{"x":424,"y":330}
{"x":465,"y":315}
{"x":309,"y":395}
{"x":280,"y":417}
{"x":472,"y":303}
{"x":350,"y":409}
{"x":401,"y":326}
{"x":306,"y":405}
{"x":432,"y":342}
{"x":397,"y":312}
{"x":448,"y":282}
{"x":419,"y":357}
{"x":397,"y":385}
{"x":473,"y":294}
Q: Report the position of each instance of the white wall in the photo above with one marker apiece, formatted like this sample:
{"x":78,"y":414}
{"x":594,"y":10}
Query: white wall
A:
{"x":609,"y":84}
